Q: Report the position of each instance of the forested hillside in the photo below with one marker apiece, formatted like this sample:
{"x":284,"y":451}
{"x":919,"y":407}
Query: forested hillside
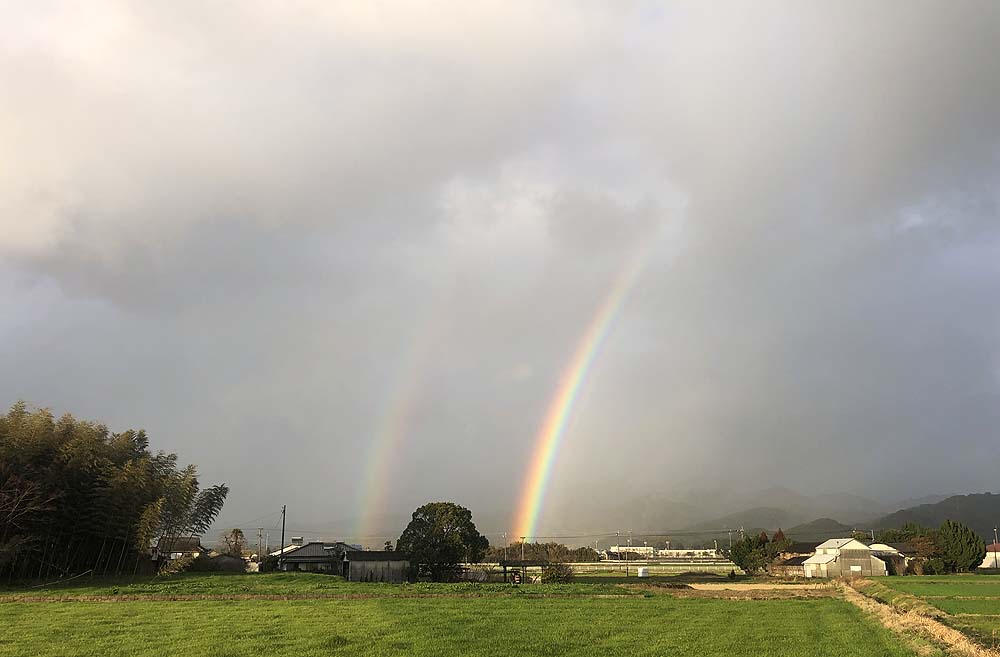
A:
{"x":980,"y":511}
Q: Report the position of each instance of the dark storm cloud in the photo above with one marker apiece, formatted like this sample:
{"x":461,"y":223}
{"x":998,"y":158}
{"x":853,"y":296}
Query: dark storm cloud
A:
{"x":236,"y":226}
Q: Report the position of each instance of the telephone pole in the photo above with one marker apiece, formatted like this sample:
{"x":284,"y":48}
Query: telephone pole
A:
{"x":281,"y":548}
{"x":995,"y":541}
{"x":259,"y":557}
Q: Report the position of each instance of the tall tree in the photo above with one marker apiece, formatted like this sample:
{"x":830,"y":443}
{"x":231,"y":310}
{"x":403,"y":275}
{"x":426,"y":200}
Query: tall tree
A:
{"x":234,"y":541}
{"x":440,"y":536}
{"x":962,"y":549}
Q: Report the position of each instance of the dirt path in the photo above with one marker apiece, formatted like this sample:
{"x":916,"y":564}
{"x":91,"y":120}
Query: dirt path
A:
{"x":911,"y":623}
{"x":761,"y":586}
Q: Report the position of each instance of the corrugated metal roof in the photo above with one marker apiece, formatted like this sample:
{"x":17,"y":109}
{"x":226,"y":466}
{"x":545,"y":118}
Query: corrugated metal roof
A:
{"x":820,"y":558}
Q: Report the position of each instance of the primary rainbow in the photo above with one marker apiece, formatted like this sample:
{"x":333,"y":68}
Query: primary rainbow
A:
{"x":554,"y":426}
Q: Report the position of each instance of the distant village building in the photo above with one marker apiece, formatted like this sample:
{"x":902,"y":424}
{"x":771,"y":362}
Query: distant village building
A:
{"x":639,"y":550}
{"x":707,"y":553}
{"x":843,"y":557}
{"x":177,"y":547}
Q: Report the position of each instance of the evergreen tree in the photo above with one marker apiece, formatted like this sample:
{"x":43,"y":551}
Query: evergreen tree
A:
{"x":962,"y":549}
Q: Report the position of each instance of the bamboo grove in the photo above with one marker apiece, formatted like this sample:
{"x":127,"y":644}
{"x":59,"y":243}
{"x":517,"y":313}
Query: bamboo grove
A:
{"x":76,"y":498}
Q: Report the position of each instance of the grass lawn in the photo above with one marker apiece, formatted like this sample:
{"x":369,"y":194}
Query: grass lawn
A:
{"x":494,"y":625}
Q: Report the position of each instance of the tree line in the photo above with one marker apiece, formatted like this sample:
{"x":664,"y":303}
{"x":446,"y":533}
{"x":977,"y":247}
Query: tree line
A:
{"x":551,"y":552}
{"x":78,"y":498}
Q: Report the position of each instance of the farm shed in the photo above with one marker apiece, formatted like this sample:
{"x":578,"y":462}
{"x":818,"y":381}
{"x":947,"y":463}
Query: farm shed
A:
{"x":897,"y":556}
{"x":374,"y":566}
{"x":992,"y":559}
{"x":790,"y":567}
{"x":843,"y":557}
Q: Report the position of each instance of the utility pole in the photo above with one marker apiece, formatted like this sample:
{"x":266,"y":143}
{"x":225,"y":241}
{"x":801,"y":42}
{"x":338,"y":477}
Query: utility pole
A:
{"x":522,"y":550}
{"x":259,"y":557}
{"x":730,"y":532}
{"x":281,"y":548}
{"x":626,"y":554}
{"x":995,"y":541}
{"x":505,"y":546}
{"x":873,"y":536}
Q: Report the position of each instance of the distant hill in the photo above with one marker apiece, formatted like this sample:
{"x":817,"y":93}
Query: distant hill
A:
{"x":980,"y":511}
{"x":765,"y":517}
{"x":818,"y":530}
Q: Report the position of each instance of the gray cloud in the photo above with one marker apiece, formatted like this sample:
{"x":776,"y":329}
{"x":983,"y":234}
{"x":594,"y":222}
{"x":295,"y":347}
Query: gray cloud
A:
{"x":236,"y":227}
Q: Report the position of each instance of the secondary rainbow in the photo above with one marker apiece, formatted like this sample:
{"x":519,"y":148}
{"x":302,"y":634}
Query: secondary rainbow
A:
{"x":560,"y":409}
{"x":395,"y":423}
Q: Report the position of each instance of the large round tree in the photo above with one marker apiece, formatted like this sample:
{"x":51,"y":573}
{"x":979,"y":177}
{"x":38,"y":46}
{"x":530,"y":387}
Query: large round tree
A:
{"x":440,"y":536}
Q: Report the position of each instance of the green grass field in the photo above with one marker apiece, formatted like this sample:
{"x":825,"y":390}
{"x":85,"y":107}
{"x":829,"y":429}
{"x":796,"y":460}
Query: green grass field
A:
{"x":491,"y":622}
{"x":947,"y":586}
{"x":971,"y":602}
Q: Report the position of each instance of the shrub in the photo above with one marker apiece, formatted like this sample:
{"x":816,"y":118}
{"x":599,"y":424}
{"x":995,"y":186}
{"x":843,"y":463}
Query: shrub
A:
{"x":557,"y":573}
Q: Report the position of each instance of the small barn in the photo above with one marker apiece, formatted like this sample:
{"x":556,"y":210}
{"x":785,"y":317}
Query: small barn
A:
{"x":992,"y":559}
{"x":790,"y":567}
{"x":375,"y":566}
{"x":843,"y":557}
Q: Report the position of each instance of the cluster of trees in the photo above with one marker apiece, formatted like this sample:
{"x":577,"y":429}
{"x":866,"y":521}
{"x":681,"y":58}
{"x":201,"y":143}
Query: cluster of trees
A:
{"x":755,"y":553}
{"x":552,"y":552}
{"x":76,"y":497}
{"x":950,"y":548}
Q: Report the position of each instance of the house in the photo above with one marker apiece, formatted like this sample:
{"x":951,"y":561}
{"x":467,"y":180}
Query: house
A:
{"x":374,"y":566}
{"x":314,"y":556}
{"x":843,"y":557}
{"x":176,"y":547}
{"x":992,"y":559}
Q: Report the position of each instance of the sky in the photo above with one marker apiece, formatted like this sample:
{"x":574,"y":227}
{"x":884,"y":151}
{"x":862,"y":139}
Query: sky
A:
{"x":339,"y":255}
